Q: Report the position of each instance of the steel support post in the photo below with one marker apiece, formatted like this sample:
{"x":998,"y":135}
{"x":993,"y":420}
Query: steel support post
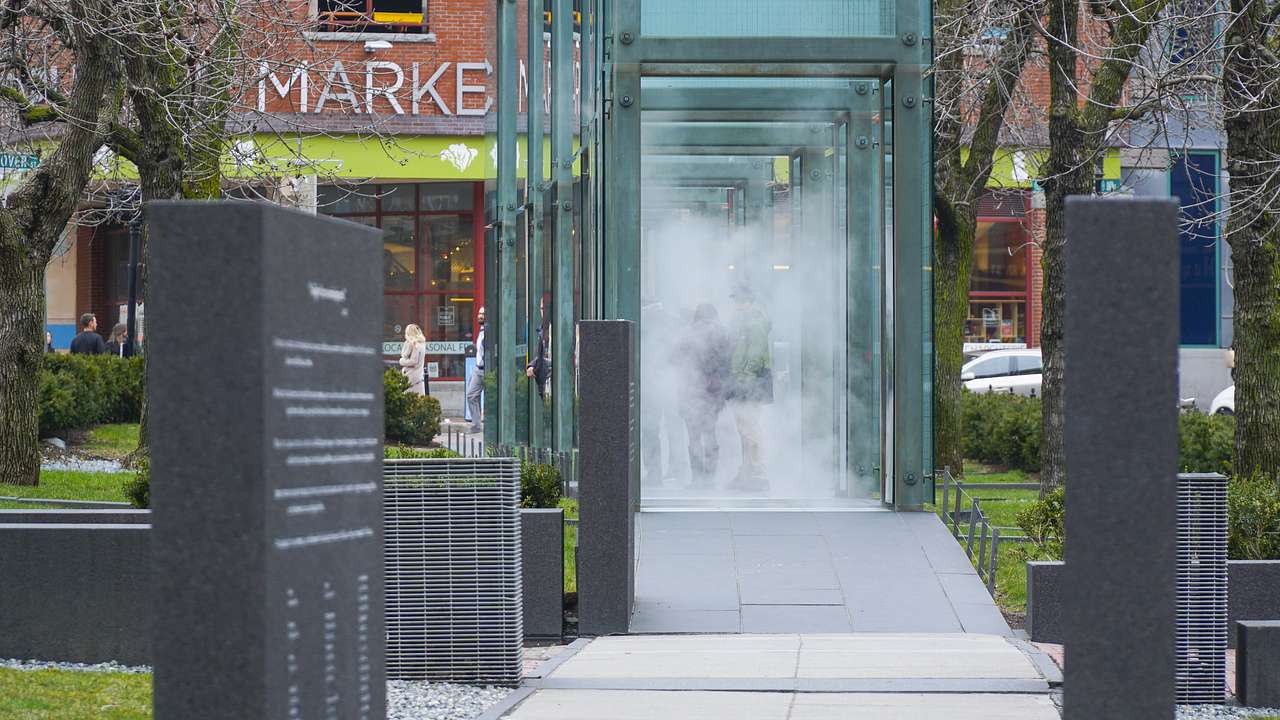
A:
{"x":536,"y":265}
{"x":506,"y":366}
{"x":864,"y":205}
{"x":562,"y":126}
{"x":912,"y":295}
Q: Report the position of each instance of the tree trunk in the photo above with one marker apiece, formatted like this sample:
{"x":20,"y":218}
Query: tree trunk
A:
{"x":1253,"y":230}
{"x":953,"y":258}
{"x":21,"y":350}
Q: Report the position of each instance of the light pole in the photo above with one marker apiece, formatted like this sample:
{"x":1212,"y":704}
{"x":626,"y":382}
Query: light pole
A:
{"x":135,"y":237}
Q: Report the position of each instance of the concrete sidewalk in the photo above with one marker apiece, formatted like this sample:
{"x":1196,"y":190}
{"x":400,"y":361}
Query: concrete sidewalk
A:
{"x":805,"y":572}
{"x":792,"y":677}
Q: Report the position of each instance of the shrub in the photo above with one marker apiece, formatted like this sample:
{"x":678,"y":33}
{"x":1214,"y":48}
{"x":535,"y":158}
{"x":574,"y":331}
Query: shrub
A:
{"x":400,"y":452}
{"x":411,"y":419}
{"x":79,"y":391}
{"x":1253,"y":514}
{"x":1205,"y":442}
{"x":539,"y":485}
{"x":138,"y":488}
{"x":1001,"y":429}
{"x":1043,"y":523}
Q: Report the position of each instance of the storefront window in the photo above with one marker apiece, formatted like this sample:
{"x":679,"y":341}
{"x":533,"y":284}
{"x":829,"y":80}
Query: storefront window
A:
{"x":996,"y":321}
{"x":1000,"y":258}
{"x":430,"y":256}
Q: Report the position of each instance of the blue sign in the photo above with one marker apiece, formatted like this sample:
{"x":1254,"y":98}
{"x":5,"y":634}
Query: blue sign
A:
{"x":12,"y":161}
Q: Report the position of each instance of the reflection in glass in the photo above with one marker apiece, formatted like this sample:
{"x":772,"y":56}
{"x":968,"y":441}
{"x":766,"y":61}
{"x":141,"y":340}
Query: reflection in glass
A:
{"x":399,"y":251}
{"x":1000,"y":258}
{"x":450,"y":252}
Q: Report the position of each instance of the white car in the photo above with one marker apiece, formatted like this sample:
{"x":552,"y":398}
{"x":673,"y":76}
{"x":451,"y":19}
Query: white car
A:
{"x":1224,"y":403}
{"x":1017,"y":372}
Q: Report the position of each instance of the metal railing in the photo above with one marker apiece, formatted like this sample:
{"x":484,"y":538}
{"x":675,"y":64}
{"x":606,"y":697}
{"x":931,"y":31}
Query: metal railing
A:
{"x":471,"y":445}
{"x":962,"y":514}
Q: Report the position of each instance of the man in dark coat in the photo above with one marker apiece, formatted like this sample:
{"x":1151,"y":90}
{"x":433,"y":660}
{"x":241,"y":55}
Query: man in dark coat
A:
{"x":88,"y":342}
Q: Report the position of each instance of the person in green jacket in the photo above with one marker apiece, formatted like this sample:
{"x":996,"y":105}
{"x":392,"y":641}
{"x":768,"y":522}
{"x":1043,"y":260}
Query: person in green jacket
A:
{"x":752,"y":385}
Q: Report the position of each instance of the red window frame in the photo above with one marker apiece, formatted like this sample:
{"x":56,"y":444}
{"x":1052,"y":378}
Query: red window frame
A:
{"x":1026,"y":295}
{"x":421,"y":289}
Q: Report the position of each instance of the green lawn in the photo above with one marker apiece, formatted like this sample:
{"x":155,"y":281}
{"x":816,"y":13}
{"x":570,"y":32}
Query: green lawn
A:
{"x":63,"y":695}
{"x":69,"y":485}
{"x":110,"y":441}
{"x":570,"y":508}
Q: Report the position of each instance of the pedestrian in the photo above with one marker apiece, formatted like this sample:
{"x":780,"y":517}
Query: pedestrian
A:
{"x":475,"y":383}
{"x":88,"y":341}
{"x":48,"y":341}
{"x":117,"y":345}
{"x":705,"y":352}
{"x":752,"y":375}
{"x":539,"y":369}
{"x":661,"y":374}
{"x":413,"y":359}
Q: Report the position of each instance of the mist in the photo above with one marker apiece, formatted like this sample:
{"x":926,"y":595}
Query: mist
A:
{"x":709,"y":243}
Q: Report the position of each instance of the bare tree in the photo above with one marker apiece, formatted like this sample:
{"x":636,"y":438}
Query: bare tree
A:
{"x":981,"y":49}
{"x":1251,"y":95}
{"x":182,"y":104}
{"x":35,"y":215}
{"x":1107,"y":41}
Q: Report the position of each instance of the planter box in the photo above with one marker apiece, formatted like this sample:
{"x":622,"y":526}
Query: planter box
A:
{"x":542,"y":570}
{"x":76,"y":593}
{"x":1253,"y":593}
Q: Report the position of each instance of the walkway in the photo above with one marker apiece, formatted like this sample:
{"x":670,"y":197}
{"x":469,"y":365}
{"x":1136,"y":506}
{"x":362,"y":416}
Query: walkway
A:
{"x":806,"y":572}
{"x":791,"y":677}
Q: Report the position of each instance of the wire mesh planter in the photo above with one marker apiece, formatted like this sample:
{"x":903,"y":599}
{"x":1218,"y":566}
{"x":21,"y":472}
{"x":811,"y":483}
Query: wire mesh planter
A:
{"x":1202,"y":588}
{"x":453,"y":570}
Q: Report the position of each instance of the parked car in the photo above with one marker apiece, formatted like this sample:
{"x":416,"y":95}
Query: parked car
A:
{"x":1017,"y":372}
{"x":1224,"y":403}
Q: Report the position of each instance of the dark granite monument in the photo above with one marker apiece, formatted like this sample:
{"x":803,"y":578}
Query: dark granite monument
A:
{"x":265,"y":374}
{"x":1119,"y":608}
{"x":1258,"y":663}
{"x":609,"y":491}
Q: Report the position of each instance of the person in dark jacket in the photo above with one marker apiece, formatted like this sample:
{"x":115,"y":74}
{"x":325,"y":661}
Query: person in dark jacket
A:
{"x":48,"y":341}
{"x":539,"y":368}
{"x":88,"y":342}
{"x":118,"y":344}
{"x":752,"y":375}
{"x":705,"y":351}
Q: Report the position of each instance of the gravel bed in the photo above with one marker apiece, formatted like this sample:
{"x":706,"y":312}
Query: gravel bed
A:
{"x":439,"y":701}
{"x":70,"y":462}
{"x":1212,"y":712}
{"x":77,"y":667}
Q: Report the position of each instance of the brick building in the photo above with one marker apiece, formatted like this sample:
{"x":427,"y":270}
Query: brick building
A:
{"x":374,"y":111}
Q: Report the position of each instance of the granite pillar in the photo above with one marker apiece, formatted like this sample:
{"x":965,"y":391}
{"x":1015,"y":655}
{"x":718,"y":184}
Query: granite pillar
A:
{"x":1121,"y":431}
{"x":608,"y":469}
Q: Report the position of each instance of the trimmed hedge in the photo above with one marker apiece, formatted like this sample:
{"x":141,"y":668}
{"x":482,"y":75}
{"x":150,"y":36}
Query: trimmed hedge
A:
{"x":399,"y":452}
{"x":1004,"y":430}
{"x":1001,"y":430}
{"x":411,"y":419}
{"x":80,"y":391}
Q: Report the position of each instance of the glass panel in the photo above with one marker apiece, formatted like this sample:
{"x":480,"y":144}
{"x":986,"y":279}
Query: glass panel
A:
{"x":448,"y":324}
{"x":1000,"y":321}
{"x":1000,"y":258}
{"x":1028,"y":364}
{"x":399,"y":253}
{"x":397,"y":198}
{"x":346,"y":199}
{"x":992,"y":367}
{"x":398,"y":311}
{"x":758,"y":18}
{"x":445,"y":197}
{"x":756,"y":253}
{"x":450,"y":249}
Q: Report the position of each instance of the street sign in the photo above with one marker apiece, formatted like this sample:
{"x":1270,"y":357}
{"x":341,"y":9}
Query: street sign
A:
{"x":14,"y":161}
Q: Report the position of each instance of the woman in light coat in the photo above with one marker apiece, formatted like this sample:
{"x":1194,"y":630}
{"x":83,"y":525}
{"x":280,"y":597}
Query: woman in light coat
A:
{"x":413,"y":359}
